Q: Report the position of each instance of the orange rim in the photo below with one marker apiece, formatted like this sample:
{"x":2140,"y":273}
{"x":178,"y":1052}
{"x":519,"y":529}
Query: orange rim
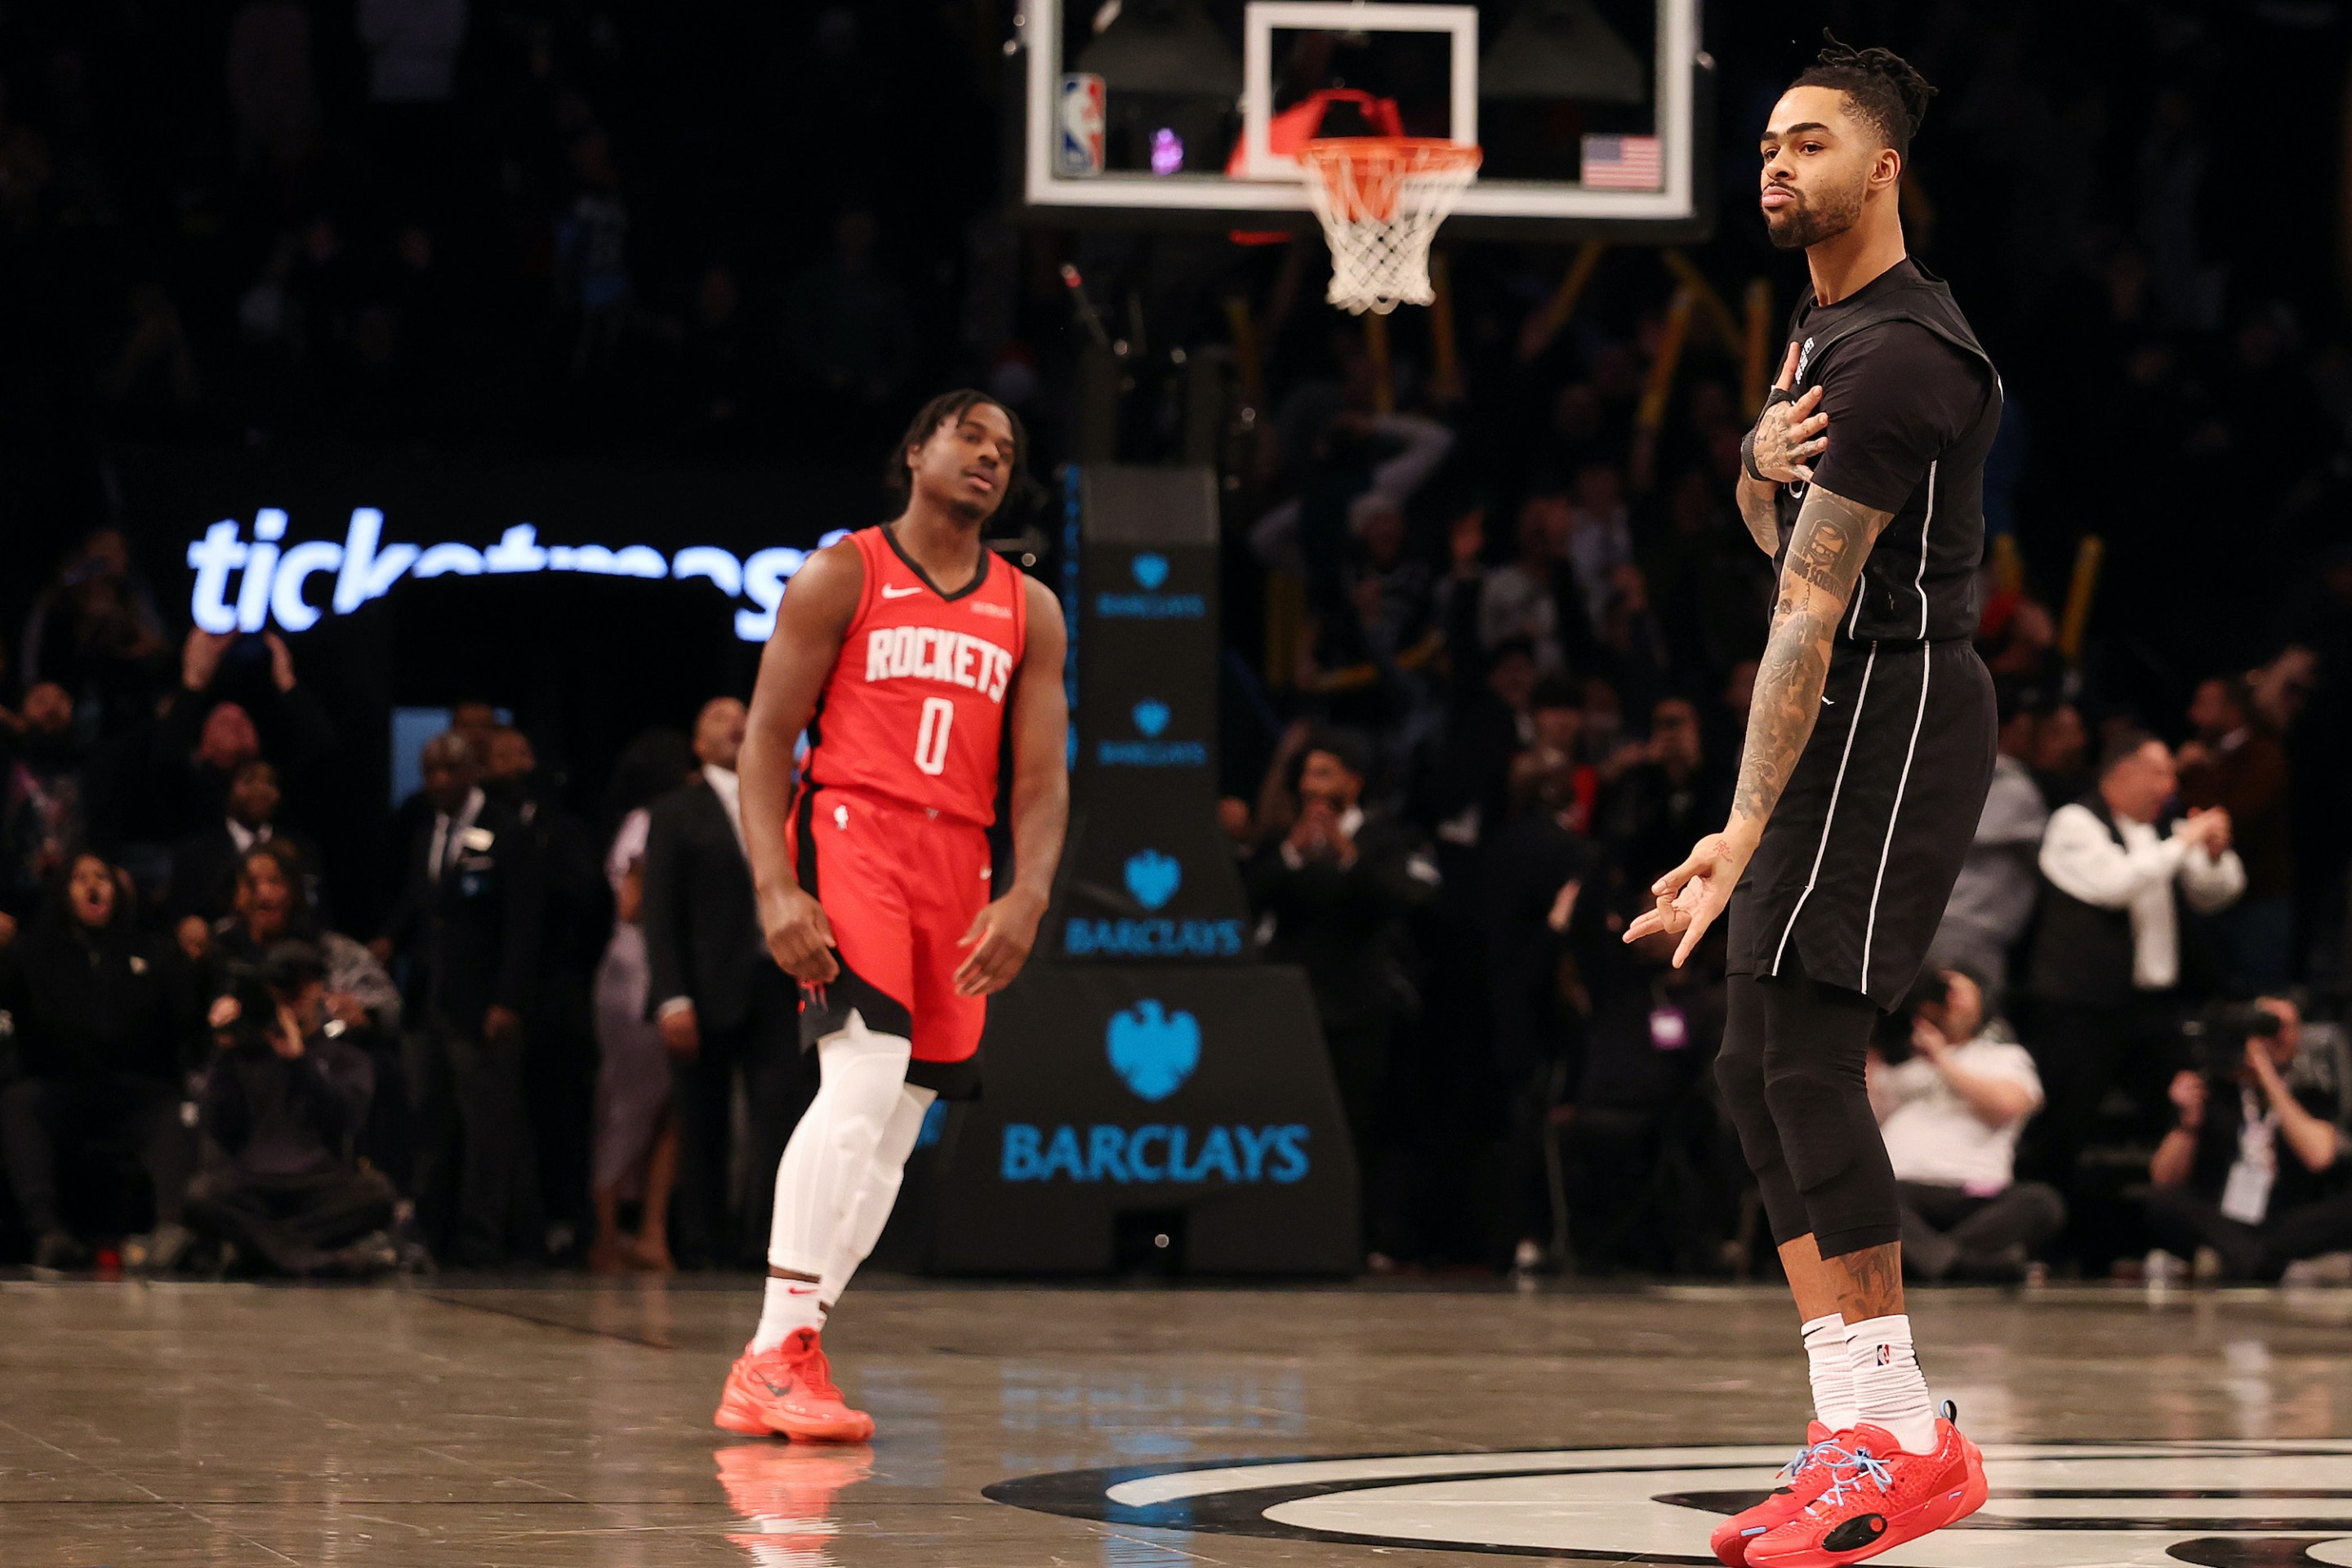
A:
{"x":1362,"y":173}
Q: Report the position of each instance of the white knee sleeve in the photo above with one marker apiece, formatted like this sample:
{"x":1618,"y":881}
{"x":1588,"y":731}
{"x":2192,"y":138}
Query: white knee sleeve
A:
{"x":833,"y":1148}
{"x":870,"y":1204}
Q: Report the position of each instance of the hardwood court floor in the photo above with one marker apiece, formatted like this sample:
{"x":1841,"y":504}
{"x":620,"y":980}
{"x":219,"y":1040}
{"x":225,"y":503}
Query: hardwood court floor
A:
{"x":558,"y":1423}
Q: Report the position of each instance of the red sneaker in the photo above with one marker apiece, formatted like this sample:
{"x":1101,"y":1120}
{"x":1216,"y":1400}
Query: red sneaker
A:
{"x":1877,"y":1498}
{"x":788,"y":1390}
{"x":1801,"y":1480}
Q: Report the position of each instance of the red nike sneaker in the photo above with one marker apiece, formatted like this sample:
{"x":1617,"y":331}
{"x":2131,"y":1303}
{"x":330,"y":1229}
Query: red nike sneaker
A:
{"x":788,"y":1390}
{"x":1878,"y":1498}
{"x":1801,"y":1480}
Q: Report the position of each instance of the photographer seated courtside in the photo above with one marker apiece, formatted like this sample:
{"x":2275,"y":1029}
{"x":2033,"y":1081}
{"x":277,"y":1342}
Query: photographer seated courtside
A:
{"x":1953,"y":1090}
{"x":283,"y":1101}
{"x":2253,"y":1178}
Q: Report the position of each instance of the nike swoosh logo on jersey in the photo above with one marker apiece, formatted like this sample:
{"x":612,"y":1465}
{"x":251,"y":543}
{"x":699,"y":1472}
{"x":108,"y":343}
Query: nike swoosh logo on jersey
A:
{"x":899,"y":593}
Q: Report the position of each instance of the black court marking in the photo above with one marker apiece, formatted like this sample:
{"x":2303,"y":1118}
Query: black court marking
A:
{"x":541,"y":1320}
{"x":2281,"y":1541}
{"x":1085,"y":1494}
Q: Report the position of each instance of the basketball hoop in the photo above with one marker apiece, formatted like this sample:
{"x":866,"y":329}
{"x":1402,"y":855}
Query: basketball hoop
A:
{"x":1381,"y":199}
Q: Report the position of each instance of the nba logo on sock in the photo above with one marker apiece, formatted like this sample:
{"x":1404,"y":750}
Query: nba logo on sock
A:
{"x":1886,"y":1355}
{"x":1078,"y":149}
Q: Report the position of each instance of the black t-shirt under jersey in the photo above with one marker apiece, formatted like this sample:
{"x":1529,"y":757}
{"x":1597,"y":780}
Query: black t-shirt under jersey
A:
{"x":1911,"y":418}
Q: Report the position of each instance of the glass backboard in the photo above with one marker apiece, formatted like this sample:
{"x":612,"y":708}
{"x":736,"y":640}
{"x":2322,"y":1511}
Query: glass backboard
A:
{"x":1163,"y":114}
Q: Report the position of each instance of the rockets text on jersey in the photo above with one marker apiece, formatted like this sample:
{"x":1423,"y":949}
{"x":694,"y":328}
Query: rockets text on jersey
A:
{"x":913,"y":711}
{"x":937,"y":653}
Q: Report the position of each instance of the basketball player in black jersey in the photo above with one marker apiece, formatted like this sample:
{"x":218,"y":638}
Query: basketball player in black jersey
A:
{"x":1869,"y":749}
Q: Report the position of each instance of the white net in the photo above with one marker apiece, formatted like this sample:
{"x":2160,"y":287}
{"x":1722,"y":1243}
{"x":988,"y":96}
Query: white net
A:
{"x":1381,"y":199}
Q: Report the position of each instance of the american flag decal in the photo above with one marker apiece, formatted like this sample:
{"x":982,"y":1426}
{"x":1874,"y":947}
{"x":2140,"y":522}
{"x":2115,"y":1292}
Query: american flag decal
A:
{"x":1622,"y":164}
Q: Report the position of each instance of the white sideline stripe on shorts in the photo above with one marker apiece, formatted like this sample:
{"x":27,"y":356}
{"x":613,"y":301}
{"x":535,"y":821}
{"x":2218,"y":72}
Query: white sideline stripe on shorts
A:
{"x":1829,"y":820}
{"x":1920,"y":582}
{"x":1919,"y":587}
{"x":1869,"y":926}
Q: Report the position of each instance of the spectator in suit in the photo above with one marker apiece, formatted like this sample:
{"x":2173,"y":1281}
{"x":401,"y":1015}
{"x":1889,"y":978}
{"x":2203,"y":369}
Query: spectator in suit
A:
{"x":2107,"y":968}
{"x":473,"y":720}
{"x":467,"y":920}
{"x":285,"y":1100}
{"x":204,"y":864}
{"x":724,"y":1008}
{"x":559,"y":1030}
{"x":95,"y":1037}
{"x":1994,"y":896}
{"x":2255,"y":1168}
{"x":1335,"y":893}
{"x":1952,"y":1108}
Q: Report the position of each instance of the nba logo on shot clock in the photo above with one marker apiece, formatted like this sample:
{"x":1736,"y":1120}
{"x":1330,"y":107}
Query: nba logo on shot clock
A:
{"x":1078,"y":146}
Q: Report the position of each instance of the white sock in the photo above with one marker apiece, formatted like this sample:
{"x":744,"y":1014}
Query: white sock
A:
{"x":789,"y":1305}
{"x":828,"y":1160}
{"x":1825,"y":1358}
{"x":870,"y":1204}
{"x":1889,"y":1389}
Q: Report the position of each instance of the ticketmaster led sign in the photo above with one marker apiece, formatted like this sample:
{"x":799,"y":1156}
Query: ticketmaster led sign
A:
{"x":247,"y":585}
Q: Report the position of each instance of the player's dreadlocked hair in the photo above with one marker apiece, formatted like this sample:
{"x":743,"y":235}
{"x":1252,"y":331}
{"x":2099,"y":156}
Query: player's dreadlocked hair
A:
{"x":1884,"y":87}
{"x":945,"y":409}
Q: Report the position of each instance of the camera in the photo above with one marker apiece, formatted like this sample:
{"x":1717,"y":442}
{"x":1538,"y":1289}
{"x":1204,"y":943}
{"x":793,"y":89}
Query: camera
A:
{"x":1891,"y":1039}
{"x":258,"y":988}
{"x":2217,"y":1037}
{"x":257,"y":1009}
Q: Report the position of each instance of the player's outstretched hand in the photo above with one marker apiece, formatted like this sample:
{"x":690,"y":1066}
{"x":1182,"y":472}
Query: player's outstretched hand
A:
{"x":1692,"y":894}
{"x":800,"y":938}
{"x":1001,"y":937}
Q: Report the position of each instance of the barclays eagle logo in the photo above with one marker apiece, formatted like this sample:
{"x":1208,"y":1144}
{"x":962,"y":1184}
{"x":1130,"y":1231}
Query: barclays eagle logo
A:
{"x":1151,"y":716}
{"x":1151,"y":570}
{"x":1153,"y":878}
{"x":1155,"y":1051}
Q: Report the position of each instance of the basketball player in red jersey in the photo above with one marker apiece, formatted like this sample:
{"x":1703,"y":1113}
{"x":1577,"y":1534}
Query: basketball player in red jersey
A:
{"x":915,"y":659}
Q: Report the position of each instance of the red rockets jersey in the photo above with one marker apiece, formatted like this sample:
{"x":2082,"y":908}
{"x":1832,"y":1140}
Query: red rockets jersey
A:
{"x":914,"y":711}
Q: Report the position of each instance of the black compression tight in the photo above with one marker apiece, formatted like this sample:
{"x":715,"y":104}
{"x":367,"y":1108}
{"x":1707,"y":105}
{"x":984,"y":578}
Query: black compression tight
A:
{"x":1792,"y":1073}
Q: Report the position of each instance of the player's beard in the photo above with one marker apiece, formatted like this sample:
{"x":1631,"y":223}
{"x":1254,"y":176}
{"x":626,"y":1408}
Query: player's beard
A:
{"x":1810,"y":219}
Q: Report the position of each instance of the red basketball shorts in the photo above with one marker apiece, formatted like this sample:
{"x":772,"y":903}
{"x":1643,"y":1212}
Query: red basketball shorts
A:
{"x":900,"y":888}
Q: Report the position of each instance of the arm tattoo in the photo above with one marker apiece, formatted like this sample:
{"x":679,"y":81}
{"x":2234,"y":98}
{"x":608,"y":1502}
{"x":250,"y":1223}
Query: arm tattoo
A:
{"x":1759,"y":512}
{"x":1832,"y":538}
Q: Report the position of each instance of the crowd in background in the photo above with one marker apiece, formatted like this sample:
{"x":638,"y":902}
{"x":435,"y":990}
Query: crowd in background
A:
{"x":1493,"y":622}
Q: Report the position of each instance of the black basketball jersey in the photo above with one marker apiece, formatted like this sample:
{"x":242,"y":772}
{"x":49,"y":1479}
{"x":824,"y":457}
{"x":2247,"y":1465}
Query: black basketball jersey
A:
{"x":1913,"y":405}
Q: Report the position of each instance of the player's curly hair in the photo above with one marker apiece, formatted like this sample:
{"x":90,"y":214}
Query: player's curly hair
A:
{"x":1020,"y":490}
{"x":1884,"y":88}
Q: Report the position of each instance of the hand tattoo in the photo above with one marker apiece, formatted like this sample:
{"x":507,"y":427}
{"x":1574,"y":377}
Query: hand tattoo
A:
{"x":1789,"y":436}
{"x":1832,"y":538}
